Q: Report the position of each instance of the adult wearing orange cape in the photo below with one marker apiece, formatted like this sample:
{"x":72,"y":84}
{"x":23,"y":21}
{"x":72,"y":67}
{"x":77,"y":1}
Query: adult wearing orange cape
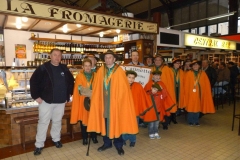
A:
{"x":197,"y":94}
{"x":112,"y":110}
{"x":78,"y":112}
{"x":177,"y":94}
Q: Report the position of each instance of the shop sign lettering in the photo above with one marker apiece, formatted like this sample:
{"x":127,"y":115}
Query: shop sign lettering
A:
{"x":39,"y":10}
{"x":207,"y":42}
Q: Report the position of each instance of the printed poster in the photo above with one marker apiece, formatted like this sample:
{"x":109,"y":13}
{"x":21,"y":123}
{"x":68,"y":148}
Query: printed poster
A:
{"x":20,"y":51}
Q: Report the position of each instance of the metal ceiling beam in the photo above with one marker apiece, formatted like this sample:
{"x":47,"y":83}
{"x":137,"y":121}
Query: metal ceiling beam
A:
{"x":33,"y":24}
{"x":58,"y":26}
{"x":167,"y":5}
{"x":84,"y":3}
{"x":117,"y":8}
{"x":130,"y":4}
{"x":71,"y":3}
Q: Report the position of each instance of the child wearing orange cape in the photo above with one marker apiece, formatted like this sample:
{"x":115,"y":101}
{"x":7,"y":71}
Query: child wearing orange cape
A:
{"x":141,"y":103}
{"x":162,"y":104}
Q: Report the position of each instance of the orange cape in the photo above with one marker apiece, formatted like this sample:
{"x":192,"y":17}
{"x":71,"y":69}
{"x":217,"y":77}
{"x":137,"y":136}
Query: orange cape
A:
{"x":172,"y":91}
{"x":78,"y":112}
{"x":201,"y":100}
{"x":122,"y":118}
{"x":167,"y":79}
{"x":162,"y":105}
{"x":141,"y":100}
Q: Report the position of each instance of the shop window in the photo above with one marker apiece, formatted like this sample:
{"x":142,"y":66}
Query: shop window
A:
{"x":202,"y":30}
{"x":212,"y":29}
{"x":223,"y":28}
{"x":194,"y":30}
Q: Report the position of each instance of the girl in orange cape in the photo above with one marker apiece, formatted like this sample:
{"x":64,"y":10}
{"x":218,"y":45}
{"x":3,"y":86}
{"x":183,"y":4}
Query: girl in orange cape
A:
{"x":197,"y":92}
{"x":141,"y":103}
{"x":78,"y":112}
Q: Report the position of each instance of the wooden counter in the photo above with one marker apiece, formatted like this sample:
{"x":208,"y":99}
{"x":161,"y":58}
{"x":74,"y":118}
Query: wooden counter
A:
{"x":10,"y":130}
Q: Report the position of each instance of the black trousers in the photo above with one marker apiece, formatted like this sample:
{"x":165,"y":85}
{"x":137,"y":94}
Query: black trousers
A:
{"x":85,"y":133}
{"x":118,"y":142}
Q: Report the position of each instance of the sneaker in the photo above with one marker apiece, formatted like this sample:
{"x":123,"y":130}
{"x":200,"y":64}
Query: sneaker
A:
{"x":157,"y":136}
{"x":58,"y":144}
{"x":197,"y":124}
{"x":190,"y":124}
{"x":37,"y":151}
{"x":151,"y":136}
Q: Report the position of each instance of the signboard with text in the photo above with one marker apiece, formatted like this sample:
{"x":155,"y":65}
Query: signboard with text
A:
{"x":45,"y":11}
{"x":142,"y":72}
{"x":208,"y":42}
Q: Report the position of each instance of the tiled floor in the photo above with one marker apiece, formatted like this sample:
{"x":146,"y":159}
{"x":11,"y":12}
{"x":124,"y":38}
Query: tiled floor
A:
{"x":213,"y":140}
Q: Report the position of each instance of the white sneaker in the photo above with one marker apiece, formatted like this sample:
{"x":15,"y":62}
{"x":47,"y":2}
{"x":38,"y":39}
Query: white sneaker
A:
{"x":157,"y":136}
{"x":151,"y":136}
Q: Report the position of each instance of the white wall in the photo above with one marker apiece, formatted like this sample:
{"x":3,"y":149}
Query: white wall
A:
{"x":12,"y":37}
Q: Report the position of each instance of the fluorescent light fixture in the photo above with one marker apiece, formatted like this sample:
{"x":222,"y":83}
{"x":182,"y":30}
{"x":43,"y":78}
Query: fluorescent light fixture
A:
{"x":18,"y":20}
{"x":65,"y":28}
{"x":222,"y":15}
{"x":24,"y":19}
{"x":78,"y":25}
{"x":18,"y":26}
{"x":118,"y":30}
{"x":101,"y":34}
{"x":18,"y":23}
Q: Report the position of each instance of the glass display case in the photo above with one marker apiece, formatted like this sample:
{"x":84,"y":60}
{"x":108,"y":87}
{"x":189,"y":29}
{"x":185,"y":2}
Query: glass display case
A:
{"x":15,"y":86}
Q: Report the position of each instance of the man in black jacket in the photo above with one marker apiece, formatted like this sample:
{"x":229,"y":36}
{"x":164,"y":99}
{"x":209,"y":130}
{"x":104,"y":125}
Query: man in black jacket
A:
{"x":51,"y":86}
{"x":211,"y":72}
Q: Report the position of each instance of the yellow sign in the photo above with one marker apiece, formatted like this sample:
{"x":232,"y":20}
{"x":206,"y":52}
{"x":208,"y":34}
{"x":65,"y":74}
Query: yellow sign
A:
{"x":208,"y":42}
{"x":45,"y":11}
{"x":20,"y":51}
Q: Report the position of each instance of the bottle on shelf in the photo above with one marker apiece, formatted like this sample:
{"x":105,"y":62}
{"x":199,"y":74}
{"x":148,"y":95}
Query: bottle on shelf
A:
{"x":67,"y":46}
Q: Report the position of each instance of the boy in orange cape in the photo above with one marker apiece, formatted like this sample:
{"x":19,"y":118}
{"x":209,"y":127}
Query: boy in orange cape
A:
{"x":166,"y":78}
{"x":197,"y":93}
{"x":159,"y":110}
{"x":78,"y":112}
{"x":161,"y":99}
{"x":112,"y":110}
{"x":141,"y":103}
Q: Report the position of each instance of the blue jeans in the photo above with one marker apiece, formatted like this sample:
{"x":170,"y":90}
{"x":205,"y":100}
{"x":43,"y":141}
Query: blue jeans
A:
{"x":193,"y":117}
{"x":118,"y":142}
{"x":131,"y":137}
{"x":153,"y":127}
